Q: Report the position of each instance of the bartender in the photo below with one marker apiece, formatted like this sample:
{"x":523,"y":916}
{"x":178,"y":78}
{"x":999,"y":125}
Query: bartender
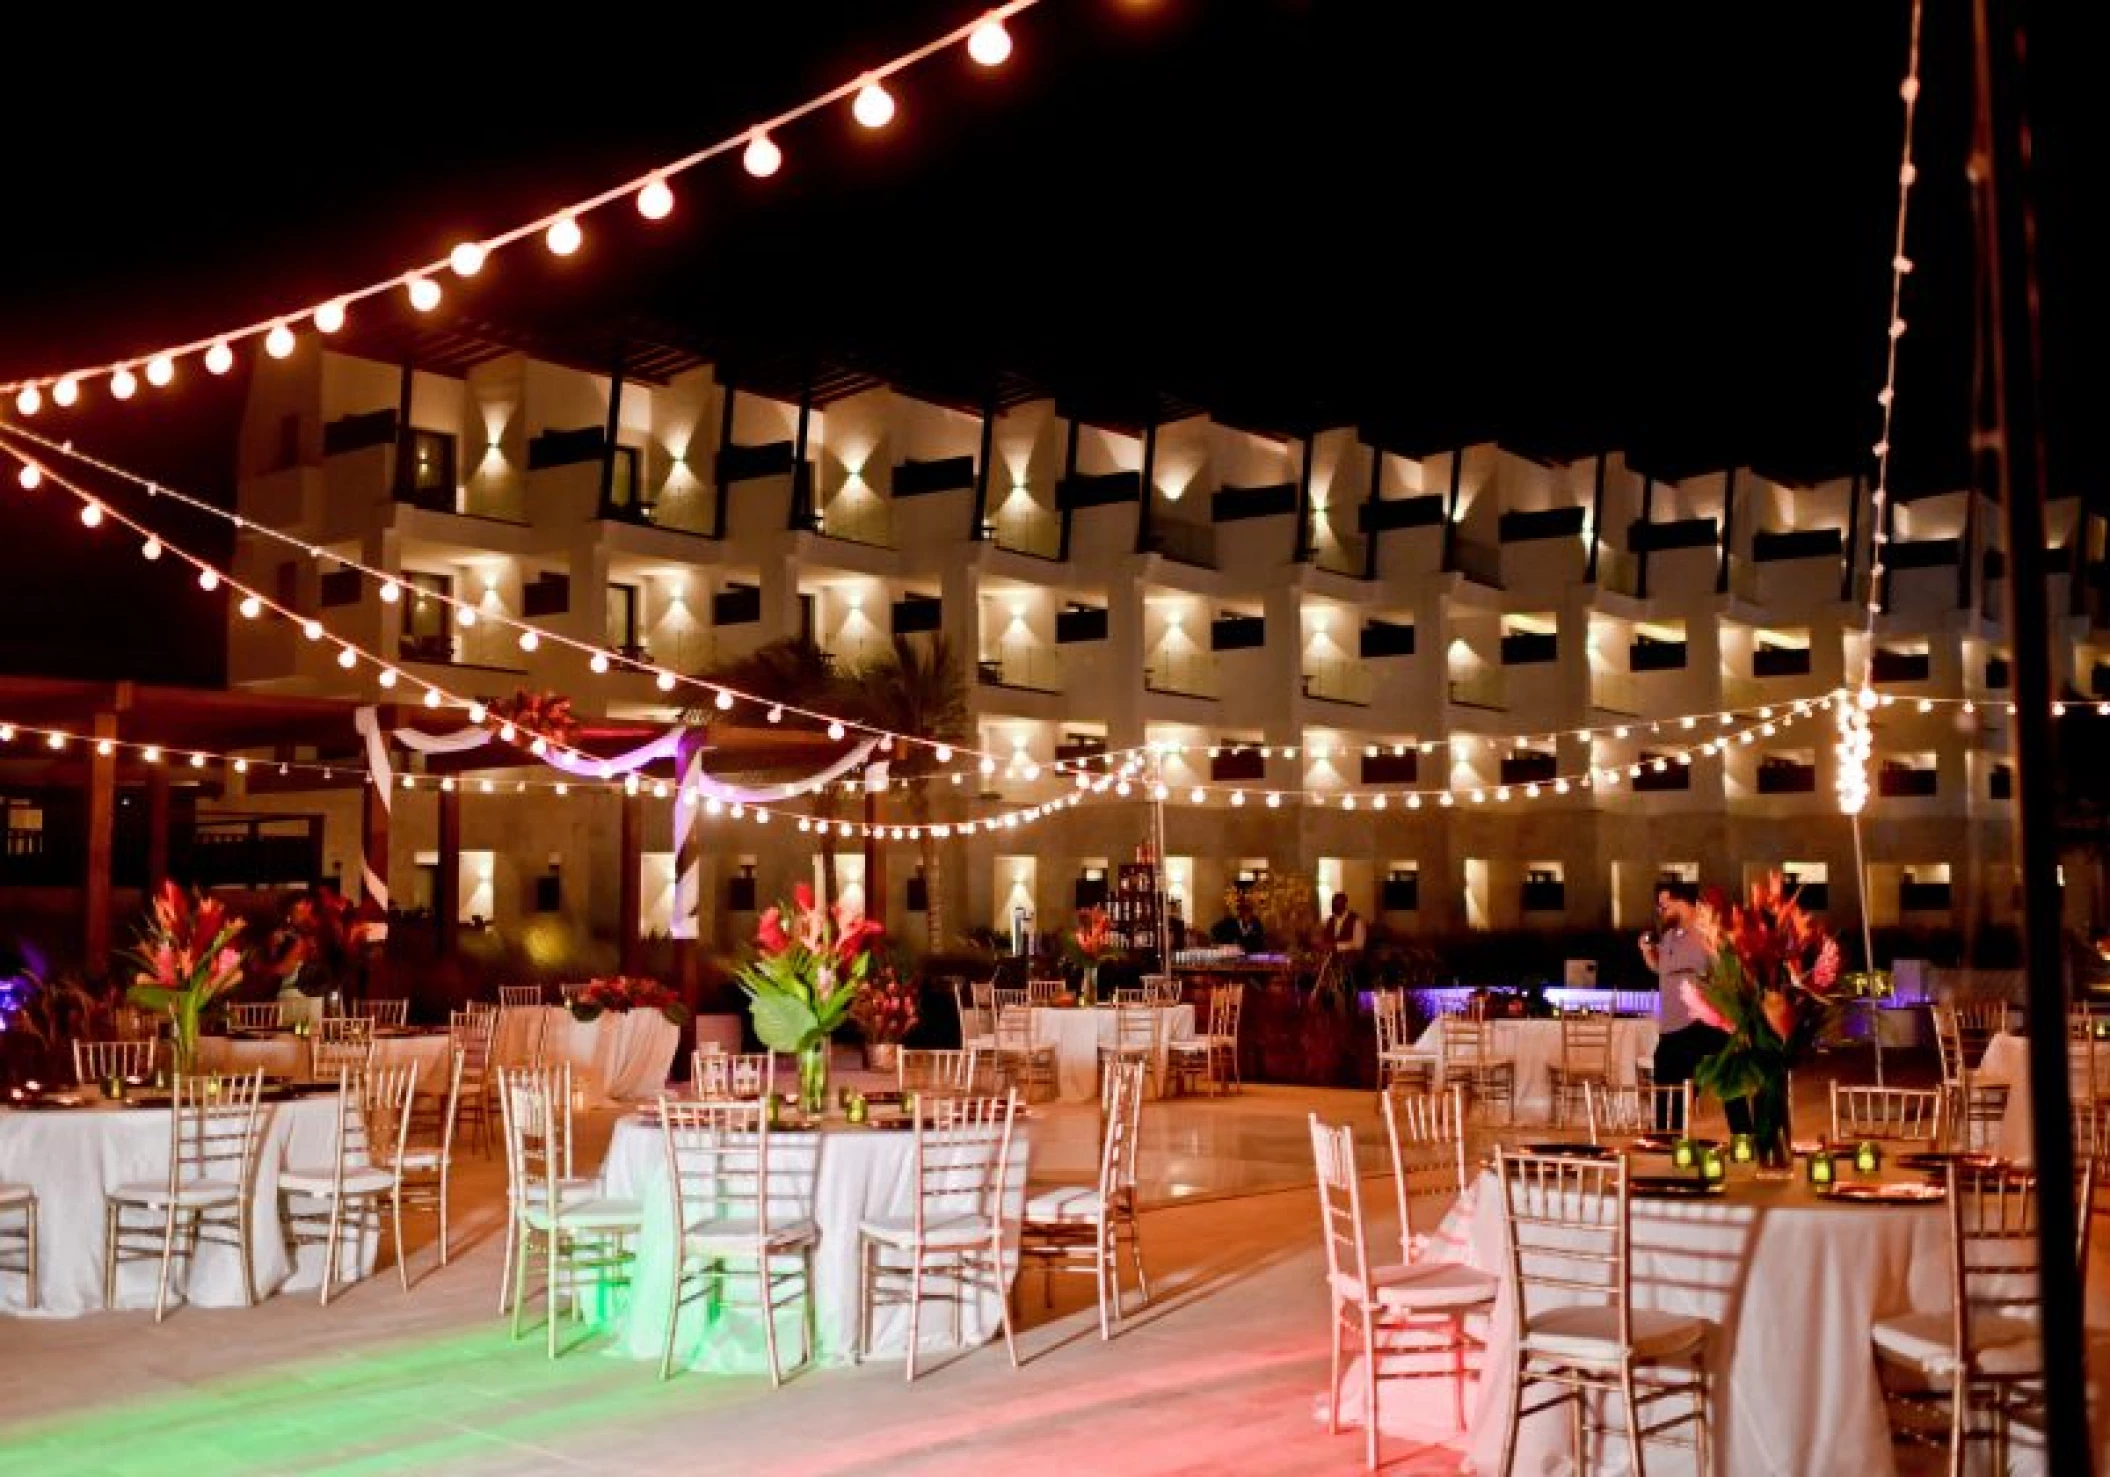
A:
{"x":1241,"y":926}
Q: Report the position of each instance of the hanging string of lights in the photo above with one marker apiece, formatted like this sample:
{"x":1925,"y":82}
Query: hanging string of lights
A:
{"x":985,"y":39}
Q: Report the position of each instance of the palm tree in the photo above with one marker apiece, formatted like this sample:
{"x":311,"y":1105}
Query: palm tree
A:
{"x":919,"y":690}
{"x":797,"y":673}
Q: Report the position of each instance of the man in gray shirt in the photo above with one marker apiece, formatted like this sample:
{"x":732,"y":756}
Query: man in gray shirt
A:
{"x":1679,"y":958}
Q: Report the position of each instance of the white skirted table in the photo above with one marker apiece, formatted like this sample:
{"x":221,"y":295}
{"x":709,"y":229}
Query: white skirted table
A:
{"x":620,"y":1055}
{"x":1535,"y":1047}
{"x":283,"y":1054}
{"x":1077,"y":1034}
{"x":838,"y":1177}
{"x":70,"y":1156}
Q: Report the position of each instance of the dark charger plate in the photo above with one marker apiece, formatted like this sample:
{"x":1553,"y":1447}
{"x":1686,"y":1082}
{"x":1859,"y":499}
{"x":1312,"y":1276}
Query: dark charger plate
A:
{"x":1680,"y":1186}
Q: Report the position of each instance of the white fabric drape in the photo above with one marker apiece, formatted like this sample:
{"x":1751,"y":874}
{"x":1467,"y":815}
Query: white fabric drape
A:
{"x":624,"y":1056}
{"x":1078,"y":1034}
{"x":283,"y":1054}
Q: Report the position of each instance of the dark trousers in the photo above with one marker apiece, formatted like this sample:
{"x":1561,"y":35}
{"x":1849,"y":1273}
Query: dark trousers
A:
{"x":1677,"y":1054}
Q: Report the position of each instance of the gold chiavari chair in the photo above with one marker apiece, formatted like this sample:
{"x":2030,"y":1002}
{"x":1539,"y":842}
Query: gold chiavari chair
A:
{"x":98,"y":1061}
{"x":519,"y":997}
{"x":1586,"y":1058}
{"x":394,"y":1012}
{"x":1212,"y":1055}
{"x":424,"y":1171}
{"x":254,"y":1016}
{"x":373,"y":1125}
{"x":920,"y":1070}
{"x":1470,"y":1059}
{"x":341,"y":1043}
{"x":1911,"y":1115}
{"x":1629,"y":1112}
{"x":1398,"y":1063}
{"x":475,"y":1035}
{"x":1080,"y":1228}
{"x":18,"y":1234}
{"x":730,"y":1075}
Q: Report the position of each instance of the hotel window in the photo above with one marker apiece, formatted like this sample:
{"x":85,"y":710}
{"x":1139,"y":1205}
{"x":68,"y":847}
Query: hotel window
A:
{"x":622,"y":621}
{"x":1402,"y":889}
{"x":428,"y":623}
{"x":1544,"y":891}
{"x":432,"y":466}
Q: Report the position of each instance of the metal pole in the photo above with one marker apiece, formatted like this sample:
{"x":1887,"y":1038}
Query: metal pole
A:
{"x":2011,"y":441}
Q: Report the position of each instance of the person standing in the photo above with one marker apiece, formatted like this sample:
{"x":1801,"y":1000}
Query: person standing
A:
{"x":1345,"y":940}
{"x":1679,"y":958}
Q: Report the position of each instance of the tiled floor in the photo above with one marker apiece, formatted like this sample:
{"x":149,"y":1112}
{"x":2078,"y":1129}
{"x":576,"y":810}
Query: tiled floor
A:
{"x":1220,"y":1374}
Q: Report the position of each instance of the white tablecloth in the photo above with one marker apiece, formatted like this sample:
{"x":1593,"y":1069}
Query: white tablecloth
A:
{"x":624,"y":1056}
{"x":1535,"y":1045}
{"x":861,"y":1172}
{"x":71,"y":1157}
{"x":283,"y":1054}
{"x":1077,"y":1034}
{"x":2007,"y":1060}
{"x":1794,"y":1287}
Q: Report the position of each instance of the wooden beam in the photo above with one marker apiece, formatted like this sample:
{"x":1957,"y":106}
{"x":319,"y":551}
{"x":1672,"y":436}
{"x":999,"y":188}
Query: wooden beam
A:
{"x":400,"y":483}
{"x":1450,"y":513}
{"x":630,"y":885}
{"x":1069,"y":470}
{"x":447,"y":889}
{"x":801,"y":484}
{"x":102,"y":818}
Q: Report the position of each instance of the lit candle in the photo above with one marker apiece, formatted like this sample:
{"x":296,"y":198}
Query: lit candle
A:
{"x":1821,"y":1170}
{"x":1712,"y":1166}
{"x":113,"y":1087}
{"x":1743,"y":1148}
{"x":1869,"y":1157}
{"x":1683,"y":1153}
{"x":855,"y":1110}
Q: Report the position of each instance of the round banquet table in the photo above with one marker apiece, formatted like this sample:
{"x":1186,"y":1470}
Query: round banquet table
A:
{"x":71,"y":1156}
{"x":1535,"y":1046}
{"x":283,"y":1054}
{"x":837,"y":1177}
{"x":1078,"y":1033}
{"x":622,"y":1056}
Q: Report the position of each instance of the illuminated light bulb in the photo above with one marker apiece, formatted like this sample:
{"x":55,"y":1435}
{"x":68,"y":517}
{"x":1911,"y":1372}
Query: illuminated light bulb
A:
{"x":599,"y":662}
{"x":1619,"y":733}
{"x":424,"y":293}
{"x":1769,"y":730}
{"x":1765,"y":712}
{"x":944,"y":752}
{"x":1687,"y":721}
{"x":508,"y":733}
{"x":1274,"y":800}
{"x":1194,"y":796}
{"x":124,"y":384}
{"x":92,"y":514}
{"x":655,"y":201}
{"x":1157,"y":792}
{"x":208,"y":580}
{"x":467,"y":259}
{"x":465,"y":616}
{"x":477,"y":712}
{"x":724,"y":700}
{"x":1531,"y":792}
{"x":529,"y":640}
{"x":447,"y":784}
{"x":160,"y":370}
{"x":805,"y":824}
{"x":312,"y":630}
{"x":762,"y":158}
{"x":539,"y":747}
{"x":1685,"y":757}
{"x":251,"y":607}
{"x":1348,"y":802}
{"x":197,"y":761}
{"x":219,"y":358}
{"x":57,"y":740}
{"x":388,"y":677}
{"x":486,"y":786}
{"x":835,"y":732}
{"x":874,"y":107}
{"x":330,"y":316}
{"x":1479,"y":797}
{"x":664,"y":681}
{"x":391,"y":592}
{"x":1560,"y":787}
{"x":150,"y":550}
{"x":432,"y":697}
{"x":30,"y":476}
{"x":241,"y":766}
{"x":151,"y":753}
{"x":988,"y":765}
{"x":1661,"y":766}
{"x":1867,"y":698}
{"x":629,"y":784}
{"x":66,"y":391}
{"x":1122,"y":789}
{"x":348,"y":658}
{"x":989,"y":43}
{"x":563,"y":788}
{"x":776,"y":714}
{"x":563,"y":236}
{"x":278,"y":343}
{"x":2058,"y":710}
{"x":659,"y":792}
{"x":29,"y":400}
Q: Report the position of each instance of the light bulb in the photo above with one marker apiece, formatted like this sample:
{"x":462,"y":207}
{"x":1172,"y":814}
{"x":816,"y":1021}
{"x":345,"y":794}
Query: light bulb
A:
{"x":1274,"y":800}
{"x":92,"y":514}
{"x":599,"y":662}
{"x":835,"y":731}
{"x":66,"y":391}
{"x":124,"y":384}
{"x":507,"y":734}
{"x":29,"y":400}
{"x":150,"y":550}
{"x":391,"y":592}
{"x":477,"y":712}
{"x":252,"y":608}
{"x":208,"y":580}
{"x":312,"y":630}
{"x":990,"y":43}
{"x":465,"y":616}
{"x":348,"y":658}
{"x":278,"y":343}
{"x":529,"y":640}
{"x":665,"y":682}
{"x":655,"y":201}
{"x":467,"y":259}
{"x":944,"y":753}
{"x":330,"y":316}
{"x":219,"y":358}
{"x":432,"y":697}
{"x":30,"y":476}
{"x":874,"y":107}
{"x":424,"y":293}
{"x":762,"y":158}
{"x":724,"y":700}
{"x":776,"y":715}
{"x":160,"y":370}
{"x":563,"y":236}
{"x":388,"y":676}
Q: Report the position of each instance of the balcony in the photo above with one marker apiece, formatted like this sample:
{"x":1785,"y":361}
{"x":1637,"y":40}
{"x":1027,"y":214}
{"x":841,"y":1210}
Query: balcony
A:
{"x":1801,"y":543}
{"x":1683,"y":533}
{"x":1780,"y":661}
{"x":436,"y":649}
{"x":1024,"y":669}
{"x":1786,"y":777}
{"x":947,"y":474}
{"x":1900,"y":782}
{"x":1528,"y":769}
{"x":1521,"y":528}
{"x":858,"y":520}
{"x":1901,"y":666}
{"x":1646,"y":655}
{"x":1530,"y":648}
{"x":1237,"y":633}
{"x":1186,"y":675}
{"x":1406,"y":512}
{"x":1484,"y":689}
{"x":1020,"y":530}
{"x":1543,"y":895}
{"x":1104,"y":491}
{"x":1652,"y":781}
{"x":1385,"y":638}
{"x":1080,"y":623}
{"x":1234,"y":504}
{"x":1923,"y":897}
{"x":1338,"y":682}
{"x":1185,"y":543}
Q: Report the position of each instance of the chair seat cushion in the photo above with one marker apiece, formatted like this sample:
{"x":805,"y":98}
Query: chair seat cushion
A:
{"x":949,"y":1232}
{"x":1064,"y":1203}
{"x":734,"y":1234}
{"x":587,"y":1215}
{"x":1431,"y":1284}
{"x":191,"y":1193}
{"x":1592,"y":1333}
{"x":16,"y":1194}
{"x":358,"y":1180}
{"x":414,"y":1160}
{"x":1927,"y":1342}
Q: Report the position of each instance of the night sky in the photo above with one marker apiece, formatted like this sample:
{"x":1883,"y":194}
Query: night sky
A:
{"x":1658,"y":227}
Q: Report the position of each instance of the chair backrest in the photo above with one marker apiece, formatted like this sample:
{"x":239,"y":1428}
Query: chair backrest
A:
{"x":1625,"y":1111}
{"x":718,"y":1161}
{"x":1011,"y":996}
{"x":1906,"y":1114}
{"x":1993,"y":1254}
{"x":519,"y":997}
{"x":1132,"y":995}
{"x":523,"y":1033}
{"x":373,"y":1116}
{"x":1979,"y":1019}
{"x":1138,"y":1028}
{"x":394,"y":1012}
{"x":1163,"y":989}
{"x":1226,"y":1004}
{"x":1586,"y":1042}
{"x":1341,"y":1211}
{"x":448,"y":1089}
{"x":473,"y":1032}
{"x":1388,"y":1011}
{"x":1564,"y":1222}
{"x":1948,"y":1040}
{"x":1426,"y":1134}
{"x":920,"y":1070}
{"x":342,"y":1041}
{"x":1014,"y":1028}
{"x":732,"y":1075}
{"x":962,"y":1154}
{"x":1467,"y":1040}
{"x":254,"y":1016}
{"x":94,"y":1061}
{"x":983,"y":993}
{"x":977,"y":1022}
{"x":213,"y":1129}
{"x":1121,"y":1108}
{"x":535,"y":1106}
{"x":1043,"y":991}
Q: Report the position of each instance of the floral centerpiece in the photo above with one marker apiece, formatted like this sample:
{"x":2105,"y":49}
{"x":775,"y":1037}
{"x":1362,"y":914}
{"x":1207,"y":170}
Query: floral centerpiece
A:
{"x":620,"y":993}
{"x":187,"y":959}
{"x":1086,"y":947}
{"x":315,"y":948}
{"x":1774,"y":986}
{"x":886,"y":1010}
{"x":808,"y":969}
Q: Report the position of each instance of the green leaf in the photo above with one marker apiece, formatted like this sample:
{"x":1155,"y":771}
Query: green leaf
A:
{"x":784,"y":1024}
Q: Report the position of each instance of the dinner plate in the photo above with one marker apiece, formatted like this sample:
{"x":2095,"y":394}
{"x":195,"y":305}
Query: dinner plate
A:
{"x":1572,"y":1151}
{"x":1674,"y":1186}
{"x":1941,"y":1159}
{"x":1894,"y":1193}
{"x":1664,"y":1143}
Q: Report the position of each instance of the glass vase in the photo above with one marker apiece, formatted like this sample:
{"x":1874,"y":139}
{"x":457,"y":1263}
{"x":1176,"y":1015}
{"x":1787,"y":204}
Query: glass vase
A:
{"x":183,"y":1038}
{"x":1771,"y":1130}
{"x":813,"y":1078}
{"x":1088,"y":992}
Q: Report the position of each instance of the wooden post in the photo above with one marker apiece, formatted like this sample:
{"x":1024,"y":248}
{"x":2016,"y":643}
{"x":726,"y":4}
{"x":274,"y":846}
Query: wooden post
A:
{"x":373,"y":879}
{"x":157,"y":826}
{"x":447,"y":894}
{"x":102,"y":817}
{"x":630,"y":890}
{"x":875,"y":860}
